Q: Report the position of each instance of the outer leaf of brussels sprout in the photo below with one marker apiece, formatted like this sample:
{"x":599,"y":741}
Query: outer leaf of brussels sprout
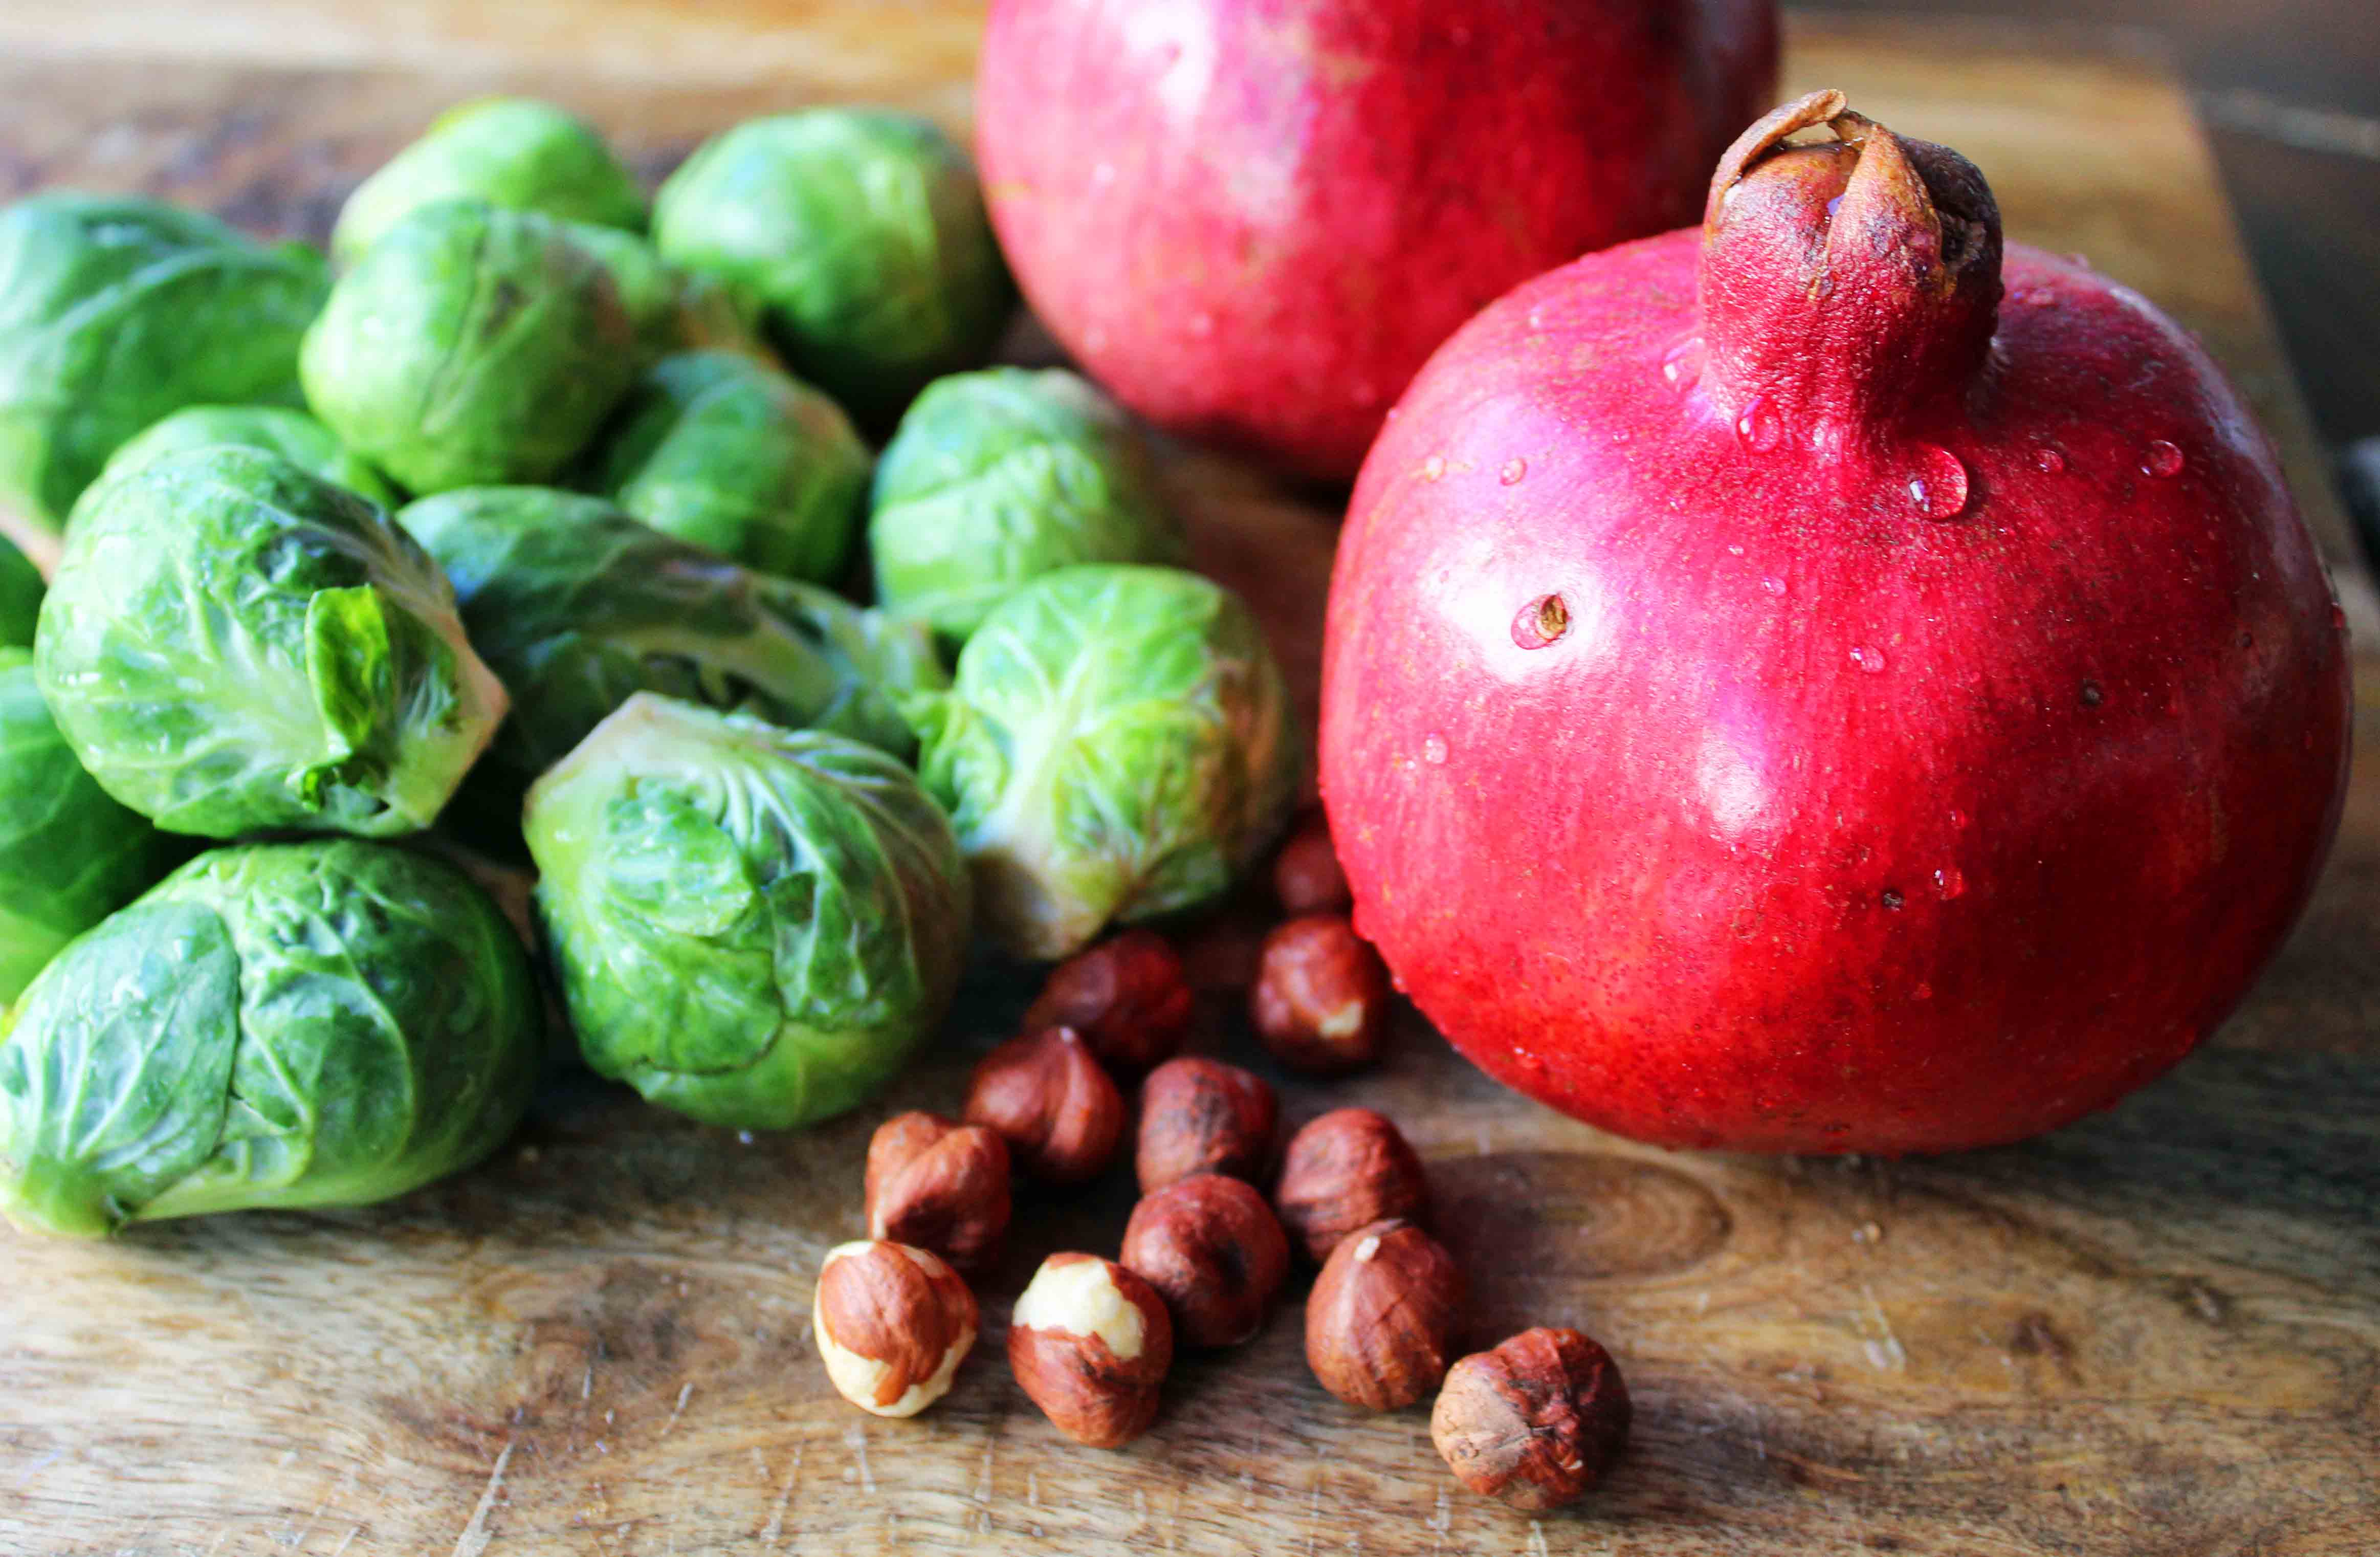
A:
{"x":1000,"y":476}
{"x":863,"y":235}
{"x":1116,"y":745}
{"x":114,"y":310}
{"x":716,"y":449}
{"x":577,"y":605}
{"x":20,"y":597}
{"x":328,"y":1023}
{"x":231,"y":644}
{"x":69,"y":856}
{"x":753,"y":926}
{"x":678,"y":309}
{"x":509,"y":152}
{"x":474,"y":344}
{"x":294,"y":435}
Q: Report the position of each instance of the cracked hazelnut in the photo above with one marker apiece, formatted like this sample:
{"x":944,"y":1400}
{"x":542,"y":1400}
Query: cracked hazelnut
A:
{"x":1089,"y":1343}
{"x":935,"y":1183}
{"x":1049,"y":1101}
{"x":1126,"y":996}
{"x":1214,"y":1251}
{"x":1202,"y":1116}
{"x":1321,"y":996}
{"x":893,"y":1325}
{"x":1347,"y":1169}
{"x":1305,"y":874}
{"x":1535,"y":1422}
{"x":1380,"y":1322}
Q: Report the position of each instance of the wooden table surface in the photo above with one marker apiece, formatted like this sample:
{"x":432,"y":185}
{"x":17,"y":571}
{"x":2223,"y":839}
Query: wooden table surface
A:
{"x":2155,"y":1333}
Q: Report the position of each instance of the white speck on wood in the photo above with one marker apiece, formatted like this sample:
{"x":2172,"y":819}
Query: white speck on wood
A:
{"x":587,"y":1381}
{"x":474,"y":1538}
{"x":1032,"y":1490}
{"x":1537,"y":1538}
{"x":784,"y":1495}
{"x":684,"y":1391}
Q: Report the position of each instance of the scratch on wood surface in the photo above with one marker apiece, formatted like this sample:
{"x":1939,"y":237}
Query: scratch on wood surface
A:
{"x":1815,"y":1468}
{"x":346,"y":1540}
{"x":474,"y":1538}
{"x":857,"y":1439}
{"x":1442,"y":1521}
{"x":1537,"y":1538}
{"x":1884,"y":1352}
{"x":776,"y":1527}
{"x":684,"y":1391}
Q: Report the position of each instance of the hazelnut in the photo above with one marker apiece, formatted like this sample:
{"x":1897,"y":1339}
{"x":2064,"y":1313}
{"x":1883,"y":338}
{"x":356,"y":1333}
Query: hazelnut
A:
{"x":1214,"y":1251}
{"x":1126,"y":996}
{"x":1089,"y":1343}
{"x":1379,"y":1324}
{"x":1344,"y":1171}
{"x":1202,"y":1116}
{"x":1535,"y":1422}
{"x":1049,"y":1101}
{"x":1305,"y":874}
{"x":935,"y":1183}
{"x":893,"y":1325}
{"x":1321,"y":997}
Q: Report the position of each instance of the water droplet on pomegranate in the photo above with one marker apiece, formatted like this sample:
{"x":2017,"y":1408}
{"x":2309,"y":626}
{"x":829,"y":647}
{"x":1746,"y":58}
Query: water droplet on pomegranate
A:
{"x":1938,"y":482}
{"x":1868,"y":657}
{"x":1681,"y":364}
{"x":1949,"y":882}
{"x":1774,"y":585}
{"x":1892,"y":898}
{"x":1759,"y":425}
{"x":1536,"y":319}
{"x":1528,"y":1061}
{"x":2163,"y":459}
{"x":1834,"y":205}
{"x":1541,"y":622}
{"x":1396,"y":982}
{"x":1736,"y":551}
{"x":1958,"y":818}
{"x":2092,"y":696}
{"x":1926,"y":992}
{"x":1433,"y":467}
{"x":2048,"y":461}
{"x":1619,"y":435}
{"x":2338,"y":616}
{"x":1433,"y":750}
{"x":1514,"y":469}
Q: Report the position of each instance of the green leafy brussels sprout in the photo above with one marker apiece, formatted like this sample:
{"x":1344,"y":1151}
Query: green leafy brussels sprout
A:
{"x":577,"y":605}
{"x":475,"y":345}
{"x":294,"y":435}
{"x":511,"y":151}
{"x":720,"y":450}
{"x":1116,"y":745}
{"x":678,"y":309}
{"x":1001,"y":476}
{"x":69,"y":856}
{"x":233,"y":644}
{"x":20,"y":596}
{"x":753,"y":926}
{"x":319,"y":1024}
{"x":114,"y":310}
{"x":864,"y":234}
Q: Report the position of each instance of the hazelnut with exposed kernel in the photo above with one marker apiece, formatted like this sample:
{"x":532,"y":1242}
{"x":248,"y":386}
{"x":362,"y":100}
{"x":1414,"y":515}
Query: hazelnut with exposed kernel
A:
{"x":1380,"y":1321}
{"x":1306,"y":873}
{"x":935,"y":1183}
{"x":1052,"y":1103}
{"x":1127,"y":996}
{"x":1536,"y":1421}
{"x":1089,"y":1343}
{"x":1214,"y":1251}
{"x":893,"y":1325}
{"x":1321,"y":996}
{"x":1202,"y":1116}
{"x":1347,"y":1169}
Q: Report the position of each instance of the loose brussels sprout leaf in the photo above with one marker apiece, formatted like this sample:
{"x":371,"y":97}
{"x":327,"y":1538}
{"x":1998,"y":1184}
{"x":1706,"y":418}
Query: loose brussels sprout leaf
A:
{"x":678,"y":309}
{"x":1001,"y":476}
{"x":69,"y":856}
{"x":317,"y":1023}
{"x":863,"y":235}
{"x":20,"y":597}
{"x":475,"y":345}
{"x":233,"y":644}
{"x":716,"y":449}
{"x":1116,"y":745}
{"x":511,"y":151}
{"x":294,"y":435}
{"x":577,"y":605}
{"x":753,"y":926}
{"x":114,"y":310}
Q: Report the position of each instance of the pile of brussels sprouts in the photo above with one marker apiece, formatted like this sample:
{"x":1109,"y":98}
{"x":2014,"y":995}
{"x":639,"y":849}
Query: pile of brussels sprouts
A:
{"x":531,"y":532}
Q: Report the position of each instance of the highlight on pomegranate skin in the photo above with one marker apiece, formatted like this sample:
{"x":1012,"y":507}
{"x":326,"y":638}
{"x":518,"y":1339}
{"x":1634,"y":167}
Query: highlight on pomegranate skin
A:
{"x":1828,"y":679}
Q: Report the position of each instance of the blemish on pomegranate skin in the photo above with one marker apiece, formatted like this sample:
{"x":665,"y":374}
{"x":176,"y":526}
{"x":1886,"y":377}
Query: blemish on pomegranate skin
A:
{"x":2092,"y":695}
{"x":1892,"y":898}
{"x":2163,"y":460}
{"x":1433,"y":467}
{"x":1541,"y":623}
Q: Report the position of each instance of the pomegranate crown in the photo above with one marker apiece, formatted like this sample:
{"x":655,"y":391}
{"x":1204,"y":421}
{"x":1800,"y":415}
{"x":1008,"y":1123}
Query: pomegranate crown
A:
{"x":1856,"y":283}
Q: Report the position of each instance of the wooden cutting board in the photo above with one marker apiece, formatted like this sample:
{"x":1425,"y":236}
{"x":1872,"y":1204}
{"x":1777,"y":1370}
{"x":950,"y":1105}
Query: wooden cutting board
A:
{"x":2155,"y":1333}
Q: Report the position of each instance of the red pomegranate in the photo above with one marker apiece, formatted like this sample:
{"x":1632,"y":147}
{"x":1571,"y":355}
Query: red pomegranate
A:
{"x":1819,"y":682}
{"x":1254,"y":219}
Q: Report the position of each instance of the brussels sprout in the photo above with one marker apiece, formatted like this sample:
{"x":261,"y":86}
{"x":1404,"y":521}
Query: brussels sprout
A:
{"x":317,"y":1023}
{"x":1117,"y":744}
{"x":69,"y":856}
{"x":294,"y":435}
{"x":510,"y":151}
{"x":678,"y":309}
{"x":476,"y":344}
{"x":114,"y":310}
{"x":233,"y":644}
{"x":719,"y":450}
{"x":863,"y":235}
{"x":577,"y":605}
{"x":752,"y":926}
{"x":1001,"y":476}
{"x":20,"y":597}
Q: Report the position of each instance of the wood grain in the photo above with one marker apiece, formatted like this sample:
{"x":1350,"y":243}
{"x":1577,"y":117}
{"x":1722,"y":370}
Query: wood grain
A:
{"x":2156,"y":1334}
